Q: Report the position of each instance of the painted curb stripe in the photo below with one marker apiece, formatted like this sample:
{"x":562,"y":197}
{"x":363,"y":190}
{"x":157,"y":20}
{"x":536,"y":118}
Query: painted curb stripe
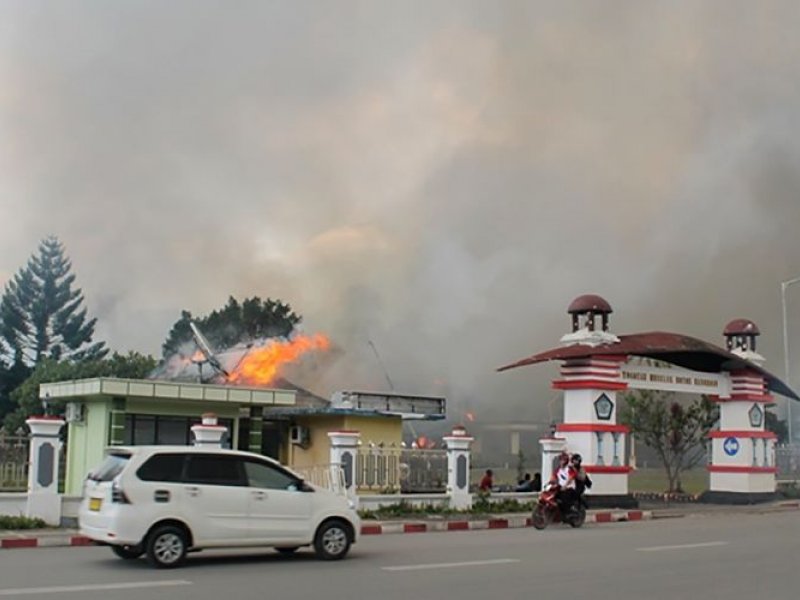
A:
{"x":371,"y":530}
{"x":19,"y":543}
{"x":512,"y":523}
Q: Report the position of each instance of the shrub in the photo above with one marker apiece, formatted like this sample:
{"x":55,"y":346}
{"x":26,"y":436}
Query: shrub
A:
{"x":20,"y":522}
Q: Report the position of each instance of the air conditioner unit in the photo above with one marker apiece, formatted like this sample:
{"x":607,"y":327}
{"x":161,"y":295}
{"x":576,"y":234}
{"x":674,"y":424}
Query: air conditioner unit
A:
{"x":299,"y":435}
{"x":73,"y":412}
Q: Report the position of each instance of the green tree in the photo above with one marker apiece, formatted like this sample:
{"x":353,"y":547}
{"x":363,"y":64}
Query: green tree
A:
{"x":11,"y":377}
{"x":677,"y":433}
{"x":777,"y":426}
{"x":26,"y":396}
{"x":236,"y":322}
{"x":41,"y":314}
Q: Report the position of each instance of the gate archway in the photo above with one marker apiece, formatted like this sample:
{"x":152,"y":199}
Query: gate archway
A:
{"x":596,"y":365}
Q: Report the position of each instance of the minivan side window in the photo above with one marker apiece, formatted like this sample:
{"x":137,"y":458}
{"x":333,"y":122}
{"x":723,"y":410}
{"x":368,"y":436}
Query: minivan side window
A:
{"x":261,"y":475}
{"x":162,"y":467}
{"x":214,"y":469}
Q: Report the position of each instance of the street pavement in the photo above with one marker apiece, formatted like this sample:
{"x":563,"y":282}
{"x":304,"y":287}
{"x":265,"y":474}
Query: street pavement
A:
{"x":727,"y":555}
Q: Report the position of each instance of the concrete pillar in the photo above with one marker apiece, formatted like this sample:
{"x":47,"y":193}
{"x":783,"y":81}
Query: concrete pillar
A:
{"x":254,"y":443}
{"x":43,"y":499}
{"x":742,"y":450}
{"x":208,"y":434}
{"x":551,"y":448}
{"x":458,"y":461}
{"x":344,"y":448}
{"x":590,"y":427}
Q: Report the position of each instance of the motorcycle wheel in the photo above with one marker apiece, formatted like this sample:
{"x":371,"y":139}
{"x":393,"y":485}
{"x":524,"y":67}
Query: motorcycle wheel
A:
{"x":578,"y":518}
{"x":541,"y":517}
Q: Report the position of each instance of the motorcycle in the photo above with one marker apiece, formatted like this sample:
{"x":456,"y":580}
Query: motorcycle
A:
{"x":548,"y":511}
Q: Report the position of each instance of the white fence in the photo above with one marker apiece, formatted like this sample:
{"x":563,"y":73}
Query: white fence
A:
{"x":329,"y":477}
{"x":13,"y":462}
{"x":392,"y":469}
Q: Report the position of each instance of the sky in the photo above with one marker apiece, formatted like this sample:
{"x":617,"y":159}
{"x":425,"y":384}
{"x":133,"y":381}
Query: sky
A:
{"x":437,"y":178}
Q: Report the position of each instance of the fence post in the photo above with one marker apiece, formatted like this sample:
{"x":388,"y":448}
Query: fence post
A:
{"x":208,"y":434}
{"x":344,"y":445}
{"x":43,"y":499}
{"x":458,"y":455}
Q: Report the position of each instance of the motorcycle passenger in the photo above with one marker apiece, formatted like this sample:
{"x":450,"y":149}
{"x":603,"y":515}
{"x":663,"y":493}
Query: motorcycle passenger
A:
{"x":582,"y":479}
{"x":564,"y":478}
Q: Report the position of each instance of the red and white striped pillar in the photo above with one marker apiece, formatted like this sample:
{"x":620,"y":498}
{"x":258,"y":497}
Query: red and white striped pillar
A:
{"x":590,"y":387}
{"x":742,"y":450}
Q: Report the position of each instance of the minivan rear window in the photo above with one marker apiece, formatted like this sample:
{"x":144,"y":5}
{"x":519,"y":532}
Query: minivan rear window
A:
{"x":111,"y":467}
{"x":162,"y":467}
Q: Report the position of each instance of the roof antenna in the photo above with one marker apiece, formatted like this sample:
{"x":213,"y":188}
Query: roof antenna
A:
{"x":380,"y":362}
{"x":205,"y":349}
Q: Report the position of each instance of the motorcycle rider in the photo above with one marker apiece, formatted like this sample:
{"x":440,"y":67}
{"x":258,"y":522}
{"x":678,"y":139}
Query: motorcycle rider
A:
{"x":582,"y":479}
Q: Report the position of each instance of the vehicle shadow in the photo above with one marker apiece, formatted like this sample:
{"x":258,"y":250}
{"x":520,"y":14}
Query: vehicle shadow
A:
{"x":223,"y":558}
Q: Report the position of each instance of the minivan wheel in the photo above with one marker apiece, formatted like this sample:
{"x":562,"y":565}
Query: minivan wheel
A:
{"x":128,"y":552}
{"x":166,"y":547}
{"x":332,"y":541}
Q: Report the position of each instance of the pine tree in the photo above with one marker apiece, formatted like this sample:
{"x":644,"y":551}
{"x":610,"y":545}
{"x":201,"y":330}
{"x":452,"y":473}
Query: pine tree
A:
{"x":41,"y":315}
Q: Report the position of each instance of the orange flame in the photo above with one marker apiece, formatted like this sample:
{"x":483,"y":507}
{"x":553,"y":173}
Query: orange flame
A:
{"x":262,"y":364}
{"x":198,"y":357}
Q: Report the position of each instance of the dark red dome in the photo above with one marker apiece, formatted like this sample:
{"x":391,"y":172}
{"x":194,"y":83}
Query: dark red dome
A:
{"x":741,"y":327}
{"x":589,"y":303}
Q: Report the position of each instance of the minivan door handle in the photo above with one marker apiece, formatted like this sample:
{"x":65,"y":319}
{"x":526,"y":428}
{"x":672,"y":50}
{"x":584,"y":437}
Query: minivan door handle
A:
{"x":193,"y":491}
{"x":259,"y":495}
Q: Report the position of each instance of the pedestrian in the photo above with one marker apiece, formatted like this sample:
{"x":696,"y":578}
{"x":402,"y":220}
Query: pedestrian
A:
{"x":526,"y":484}
{"x":486,"y":482}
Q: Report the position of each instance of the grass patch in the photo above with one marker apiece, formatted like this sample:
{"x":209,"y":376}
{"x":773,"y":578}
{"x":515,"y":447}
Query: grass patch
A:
{"x":20,"y":522}
{"x":654,"y":480}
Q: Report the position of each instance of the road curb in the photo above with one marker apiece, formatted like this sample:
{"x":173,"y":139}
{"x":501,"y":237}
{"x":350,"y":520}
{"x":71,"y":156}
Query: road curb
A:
{"x":24,"y":540}
{"x":46,"y":541}
{"x":506,"y":523}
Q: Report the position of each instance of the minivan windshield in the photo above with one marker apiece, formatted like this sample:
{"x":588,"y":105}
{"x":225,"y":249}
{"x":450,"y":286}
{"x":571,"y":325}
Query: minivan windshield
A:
{"x":111,"y":467}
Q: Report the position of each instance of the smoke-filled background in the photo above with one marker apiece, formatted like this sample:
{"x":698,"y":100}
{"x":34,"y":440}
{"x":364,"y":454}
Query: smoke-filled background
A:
{"x":438,"y":178}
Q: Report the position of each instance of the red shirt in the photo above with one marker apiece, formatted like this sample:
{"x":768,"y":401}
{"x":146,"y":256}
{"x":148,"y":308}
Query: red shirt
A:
{"x":486,"y":483}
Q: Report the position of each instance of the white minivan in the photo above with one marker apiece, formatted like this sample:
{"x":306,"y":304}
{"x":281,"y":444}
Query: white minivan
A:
{"x":165,"y":501}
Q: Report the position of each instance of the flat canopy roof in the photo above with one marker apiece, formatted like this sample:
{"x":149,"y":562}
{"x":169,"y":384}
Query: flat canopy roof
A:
{"x":100,"y":387}
{"x":681,"y":350}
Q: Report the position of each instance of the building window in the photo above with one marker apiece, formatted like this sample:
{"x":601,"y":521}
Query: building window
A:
{"x":149,"y":430}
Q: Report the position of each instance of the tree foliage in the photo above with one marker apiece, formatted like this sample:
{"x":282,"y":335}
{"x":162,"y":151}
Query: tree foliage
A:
{"x":777,"y":426}
{"x":678,"y":433}
{"x":25,"y":397}
{"x":42,"y":315}
{"x":236,"y":322}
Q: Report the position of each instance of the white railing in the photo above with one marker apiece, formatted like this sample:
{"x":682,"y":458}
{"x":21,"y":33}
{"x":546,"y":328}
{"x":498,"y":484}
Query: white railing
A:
{"x":378,"y":468}
{"x":392,"y":470}
{"x":13,"y":462}
{"x":329,"y":477}
{"x":13,"y":476}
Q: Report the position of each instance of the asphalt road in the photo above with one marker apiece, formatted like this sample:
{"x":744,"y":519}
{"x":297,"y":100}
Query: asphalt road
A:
{"x":726,"y":557}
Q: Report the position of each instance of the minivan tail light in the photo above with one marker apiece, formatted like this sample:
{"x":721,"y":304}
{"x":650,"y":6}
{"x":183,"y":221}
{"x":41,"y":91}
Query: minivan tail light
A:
{"x":117,"y":495}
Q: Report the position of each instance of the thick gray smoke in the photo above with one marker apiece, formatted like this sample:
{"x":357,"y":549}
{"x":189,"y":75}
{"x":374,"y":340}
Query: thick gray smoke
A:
{"x":437,"y":178}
